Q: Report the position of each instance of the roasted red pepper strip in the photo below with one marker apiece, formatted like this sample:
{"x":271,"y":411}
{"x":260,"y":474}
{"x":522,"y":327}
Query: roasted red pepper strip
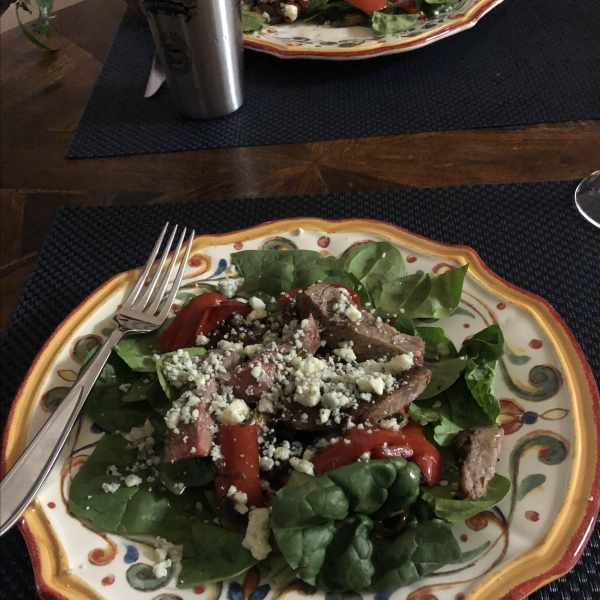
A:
{"x":216,"y":315}
{"x":239,"y":466}
{"x":286,"y":298}
{"x":409,"y":440}
{"x":369,"y":6}
{"x":181,"y":333}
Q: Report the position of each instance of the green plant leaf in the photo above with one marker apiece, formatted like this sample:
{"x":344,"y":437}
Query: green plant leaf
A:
{"x":252,"y":21}
{"x":445,"y":507}
{"x":137,"y":510}
{"x":374,"y":264}
{"x":31,"y":37}
{"x":211,"y":554}
{"x":384,"y":23}
{"x":530,"y":483}
{"x":426,"y":296}
{"x":418,"y":551}
{"x":191,"y":472}
{"x":137,"y":350}
{"x":108,"y":404}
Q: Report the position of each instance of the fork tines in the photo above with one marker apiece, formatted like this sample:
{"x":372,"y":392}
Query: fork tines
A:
{"x":148,"y":301}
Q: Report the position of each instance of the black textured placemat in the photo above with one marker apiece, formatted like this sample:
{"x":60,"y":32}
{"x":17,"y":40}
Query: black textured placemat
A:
{"x":527,"y":61}
{"x":531,"y":235}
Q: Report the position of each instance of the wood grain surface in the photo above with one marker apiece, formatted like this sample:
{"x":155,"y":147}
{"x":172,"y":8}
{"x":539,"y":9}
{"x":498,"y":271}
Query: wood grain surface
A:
{"x":43,"y":95}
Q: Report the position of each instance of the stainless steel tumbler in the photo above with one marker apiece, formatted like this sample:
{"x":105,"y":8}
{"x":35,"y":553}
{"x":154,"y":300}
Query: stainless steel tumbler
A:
{"x":199,"y":43}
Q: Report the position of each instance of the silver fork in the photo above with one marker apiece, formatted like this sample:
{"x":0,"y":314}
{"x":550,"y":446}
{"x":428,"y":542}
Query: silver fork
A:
{"x":139,"y":314}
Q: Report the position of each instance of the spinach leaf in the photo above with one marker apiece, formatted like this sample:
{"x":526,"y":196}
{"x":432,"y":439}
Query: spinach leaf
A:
{"x":252,"y":21}
{"x":107,"y":404}
{"x":404,"y":490}
{"x":211,"y":554}
{"x":348,"y":564}
{"x":252,"y":265}
{"x":384,"y":23}
{"x":374,"y":264}
{"x":137,"y":510}
{"x":304,"y":548}
{"x":444,"y":432}
{"x":137,"y":350}
{"x":486,"y":345}
{"x":425,"y":296}
{"x":441,"y":359}
{"x":321,"y":526}
{"x":446,"y":507}
{"x":418,"y":551}
{"x":365,"y":484}
{"x":171,"y":391}
{"x":191,"y":472}
{"x":312,"y":503}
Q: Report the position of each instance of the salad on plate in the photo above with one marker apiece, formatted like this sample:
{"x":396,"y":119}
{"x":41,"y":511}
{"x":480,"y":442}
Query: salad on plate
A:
{"x":306,"y":416}
{"x":382,"y":16}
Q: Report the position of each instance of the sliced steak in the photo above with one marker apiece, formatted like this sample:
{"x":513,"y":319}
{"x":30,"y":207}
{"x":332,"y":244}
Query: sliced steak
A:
{"x":477,"y":452}
{"x":371,"y":340}
{"x":195,"y":438}
{"x":249,"y":384}
{"x":412,"y":384}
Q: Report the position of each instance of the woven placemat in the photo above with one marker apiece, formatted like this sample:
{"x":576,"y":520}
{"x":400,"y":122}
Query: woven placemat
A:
{"x":531,"y":235}
{"x":530,"y":61}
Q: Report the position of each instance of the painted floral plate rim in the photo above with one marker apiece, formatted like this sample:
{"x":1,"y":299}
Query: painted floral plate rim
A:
{"x":537,"y":462}
{"x":308,"y":40}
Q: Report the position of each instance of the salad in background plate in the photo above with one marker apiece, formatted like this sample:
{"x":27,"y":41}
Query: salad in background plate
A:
{"x":307,"y":417}
{"x":382,"y":16}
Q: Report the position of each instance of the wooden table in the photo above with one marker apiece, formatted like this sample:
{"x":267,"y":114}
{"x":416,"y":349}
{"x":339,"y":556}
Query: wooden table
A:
{"x":44,"y":94}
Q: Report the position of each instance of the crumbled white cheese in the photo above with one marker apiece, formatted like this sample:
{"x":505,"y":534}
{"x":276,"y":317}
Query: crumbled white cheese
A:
{"x":227,"y":287}
{"x":290,"y":11}
{"x":266,"y":406}
{"x":324,"y":415}
{"x":345,"y":353}
{"x":202,"y":340}
{"x":302,"y":465}
{"x":110,"y":488}
{"x":256,"y":303}
{"x":266,"y":463}
{"x":235,"y":413}
{"x":400,"y":363}
{"x":138,"y":433}
{"x":389,"y":424}
{"x":377,"y":385}
{"x":257,"y":533}
{"x":132,"y":480}
{"x":353,"y":314}
{"x":161,"y":569}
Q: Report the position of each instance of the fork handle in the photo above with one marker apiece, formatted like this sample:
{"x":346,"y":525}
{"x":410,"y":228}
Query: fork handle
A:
{"x":27,"y":475}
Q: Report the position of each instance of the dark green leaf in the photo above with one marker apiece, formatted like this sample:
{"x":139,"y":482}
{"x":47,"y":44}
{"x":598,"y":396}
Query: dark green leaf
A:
{"x":107,"y":403}
{"x":445,"y":507}
{"x":384,"y":23}
{"x":252,"y":264}
{"x":312,"y":503}
{"x":212,"y":554}
{"x":374,"y":264}
{"x":137,"y":350}
{"x":418,"y":551}
{"x":137,"y":510}
{"x":365,"y":484}
{"x":486,"y":345}
{"x":191,"y":472}
{"x":304,"y":547}
{"x":252,"y":21}
{"x":426,"y":296}
{"x":445,"y":431}
{"x":348,"y":563}
{"x":404,"y":491}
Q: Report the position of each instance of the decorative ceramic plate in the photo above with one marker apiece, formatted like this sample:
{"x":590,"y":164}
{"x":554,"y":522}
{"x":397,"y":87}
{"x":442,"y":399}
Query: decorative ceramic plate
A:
{"x":550,"y":415}
{"x":308,"y":40}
